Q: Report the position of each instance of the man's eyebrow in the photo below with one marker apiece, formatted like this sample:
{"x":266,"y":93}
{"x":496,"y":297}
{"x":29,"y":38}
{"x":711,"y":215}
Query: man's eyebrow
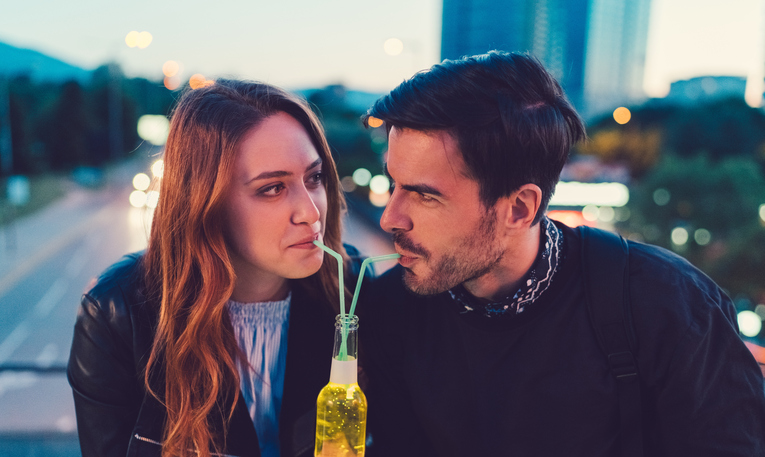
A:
{"x":422,"y":189}
{"x":419,"y":188}
{"x":281,"y":174}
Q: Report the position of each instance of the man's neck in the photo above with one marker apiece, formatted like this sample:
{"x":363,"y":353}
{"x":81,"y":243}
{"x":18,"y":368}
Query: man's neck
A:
{"x":521,"y":251}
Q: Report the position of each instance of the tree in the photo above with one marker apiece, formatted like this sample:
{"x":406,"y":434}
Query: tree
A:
{"x":716,"y":204}
{"x":65,"y":127}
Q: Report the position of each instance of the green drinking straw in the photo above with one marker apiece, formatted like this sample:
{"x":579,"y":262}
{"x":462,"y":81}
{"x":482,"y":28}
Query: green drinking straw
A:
{"x":364,"y":264}
{"x":339,"y":259}
{"x":343,"y":355}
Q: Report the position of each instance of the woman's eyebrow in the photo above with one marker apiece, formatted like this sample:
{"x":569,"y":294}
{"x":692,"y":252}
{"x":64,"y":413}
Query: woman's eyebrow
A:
{"x":281,"y":174}
{"x":315,"y":163}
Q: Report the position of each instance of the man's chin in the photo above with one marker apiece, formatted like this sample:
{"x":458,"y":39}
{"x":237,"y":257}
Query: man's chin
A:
{"x":419,"y":286}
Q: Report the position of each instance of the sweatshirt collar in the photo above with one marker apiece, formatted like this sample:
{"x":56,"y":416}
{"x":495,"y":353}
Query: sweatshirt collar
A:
{"x":533,"y":285}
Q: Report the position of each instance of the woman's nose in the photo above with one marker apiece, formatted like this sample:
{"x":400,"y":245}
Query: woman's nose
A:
{"x":305,"y":211}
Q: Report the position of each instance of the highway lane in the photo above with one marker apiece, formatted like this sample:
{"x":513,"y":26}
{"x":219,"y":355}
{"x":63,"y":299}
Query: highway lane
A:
{"x":73,"y":241}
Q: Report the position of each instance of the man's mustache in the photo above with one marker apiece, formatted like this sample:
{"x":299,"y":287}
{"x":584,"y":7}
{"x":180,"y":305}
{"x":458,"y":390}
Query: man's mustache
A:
{"x":400,"y":239}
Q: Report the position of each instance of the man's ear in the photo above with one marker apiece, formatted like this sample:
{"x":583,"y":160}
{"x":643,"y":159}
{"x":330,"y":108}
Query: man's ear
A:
{"x":519,"y":209}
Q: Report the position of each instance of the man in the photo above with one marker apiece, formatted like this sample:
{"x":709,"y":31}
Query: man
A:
{"x":480,"y":342}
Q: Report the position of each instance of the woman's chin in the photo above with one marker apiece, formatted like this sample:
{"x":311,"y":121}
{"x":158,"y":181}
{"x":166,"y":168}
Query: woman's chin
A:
{"x":303,"y":269}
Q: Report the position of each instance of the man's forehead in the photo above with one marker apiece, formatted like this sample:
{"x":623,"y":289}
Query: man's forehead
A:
{"x":426,"y":151}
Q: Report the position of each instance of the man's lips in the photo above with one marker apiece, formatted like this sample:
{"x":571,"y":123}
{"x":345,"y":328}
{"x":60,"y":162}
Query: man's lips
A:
{"x":406,"y":261}
{"x":407,"y":258}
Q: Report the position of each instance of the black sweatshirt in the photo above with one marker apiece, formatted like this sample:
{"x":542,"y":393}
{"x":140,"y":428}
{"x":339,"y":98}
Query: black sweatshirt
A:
{"x":449,"y":383}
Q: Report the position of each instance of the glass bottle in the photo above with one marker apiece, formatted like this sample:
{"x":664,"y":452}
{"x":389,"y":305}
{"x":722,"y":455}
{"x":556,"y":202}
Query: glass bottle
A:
{"x":341,"y":408}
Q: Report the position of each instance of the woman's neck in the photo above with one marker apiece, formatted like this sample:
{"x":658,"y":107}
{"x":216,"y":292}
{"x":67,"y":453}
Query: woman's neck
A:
{"x":262,"y":290}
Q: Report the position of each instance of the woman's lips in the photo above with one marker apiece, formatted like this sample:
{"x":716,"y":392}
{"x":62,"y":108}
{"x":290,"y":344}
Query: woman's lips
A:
{"x":306,"y":243}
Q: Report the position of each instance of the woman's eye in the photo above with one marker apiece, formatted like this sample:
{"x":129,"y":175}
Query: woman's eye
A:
{"x":316,"y":178}
{"x":271,"y":191}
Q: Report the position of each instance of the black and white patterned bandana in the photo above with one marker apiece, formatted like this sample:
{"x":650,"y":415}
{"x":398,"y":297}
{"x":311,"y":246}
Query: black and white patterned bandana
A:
{"x":537,"y":280}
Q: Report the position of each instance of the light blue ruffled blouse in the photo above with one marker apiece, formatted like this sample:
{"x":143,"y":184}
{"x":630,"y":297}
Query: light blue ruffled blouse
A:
{"x":261,"y":332}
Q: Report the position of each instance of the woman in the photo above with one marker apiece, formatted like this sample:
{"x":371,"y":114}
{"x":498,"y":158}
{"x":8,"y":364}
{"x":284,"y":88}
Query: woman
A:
{"x":231,"y":279}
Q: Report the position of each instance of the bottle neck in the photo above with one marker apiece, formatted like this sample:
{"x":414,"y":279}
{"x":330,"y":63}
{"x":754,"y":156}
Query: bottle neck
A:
{"x":345,"y":351}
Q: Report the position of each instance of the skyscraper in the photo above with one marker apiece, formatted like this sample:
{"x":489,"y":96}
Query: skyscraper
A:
{"x":596,"y":48}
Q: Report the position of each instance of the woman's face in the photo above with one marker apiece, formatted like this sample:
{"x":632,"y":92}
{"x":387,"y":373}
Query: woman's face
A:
{"x":276,"y":205}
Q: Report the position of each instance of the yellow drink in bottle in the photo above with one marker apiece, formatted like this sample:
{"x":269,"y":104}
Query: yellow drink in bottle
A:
{"x":341,"y":408}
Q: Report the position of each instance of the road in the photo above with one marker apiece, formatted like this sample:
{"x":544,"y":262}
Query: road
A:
{"x":47,"y":260}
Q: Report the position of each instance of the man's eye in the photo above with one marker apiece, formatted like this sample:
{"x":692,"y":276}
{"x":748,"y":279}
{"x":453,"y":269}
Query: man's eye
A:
{"x":426,"y":198}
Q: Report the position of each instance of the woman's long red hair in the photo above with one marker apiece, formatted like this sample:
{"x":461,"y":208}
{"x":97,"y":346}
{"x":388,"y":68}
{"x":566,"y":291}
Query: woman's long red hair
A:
{"x":188,"y":270}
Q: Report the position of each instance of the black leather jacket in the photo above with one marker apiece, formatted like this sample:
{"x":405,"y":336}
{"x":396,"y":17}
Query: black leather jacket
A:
{"x":112,"y":341}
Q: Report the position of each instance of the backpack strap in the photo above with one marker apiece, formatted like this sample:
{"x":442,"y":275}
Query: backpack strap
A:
{"x":605,"y":261}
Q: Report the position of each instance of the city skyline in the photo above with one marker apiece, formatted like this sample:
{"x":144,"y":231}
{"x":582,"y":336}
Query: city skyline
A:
{"x":299,"y":44}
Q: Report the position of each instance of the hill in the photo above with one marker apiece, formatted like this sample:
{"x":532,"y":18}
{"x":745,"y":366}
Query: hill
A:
{"x":38,"y":66}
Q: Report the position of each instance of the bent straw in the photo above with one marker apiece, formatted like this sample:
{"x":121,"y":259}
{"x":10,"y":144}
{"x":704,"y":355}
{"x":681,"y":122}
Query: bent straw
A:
{"x":339,"y":259}
{"x":364,"y":264}
{"x":343,"y":354}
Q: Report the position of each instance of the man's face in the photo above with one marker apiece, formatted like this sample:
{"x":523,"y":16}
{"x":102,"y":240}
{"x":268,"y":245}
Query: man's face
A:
{"x":440,"y":227}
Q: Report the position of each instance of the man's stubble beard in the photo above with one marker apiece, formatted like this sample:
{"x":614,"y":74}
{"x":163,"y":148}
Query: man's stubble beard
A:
{"x":472,"y":258}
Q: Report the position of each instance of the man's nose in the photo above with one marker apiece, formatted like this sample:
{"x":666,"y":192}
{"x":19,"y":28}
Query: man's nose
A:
{"x":395,"y":216}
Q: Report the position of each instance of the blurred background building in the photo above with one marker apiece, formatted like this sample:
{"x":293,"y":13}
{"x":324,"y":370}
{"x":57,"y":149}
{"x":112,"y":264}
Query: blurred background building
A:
{"x":595,"y":48}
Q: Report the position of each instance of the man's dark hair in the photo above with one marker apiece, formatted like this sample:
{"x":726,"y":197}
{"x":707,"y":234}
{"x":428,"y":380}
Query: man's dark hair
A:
{"x":511,"y":120}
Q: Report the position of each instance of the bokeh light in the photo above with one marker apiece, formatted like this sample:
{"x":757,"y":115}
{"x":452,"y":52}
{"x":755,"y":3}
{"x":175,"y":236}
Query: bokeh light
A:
{"x":606,"y":214}
{"x":702,"y":237}
{"x":749,"y":323}
{"x":144,"y":40}
{"x":393,"y":46}
{"x":152,"y":198}
{"x":590,"y":213}
{"x":661,"y":196}
{"x":362,"y":176}
{"x":570,"y":218}
{"x":153,"y":128}
{"x":622,"y":214}
{"x":197,"y":81}
{"x":613,"y":194}
{"x":158,"y":168}
{"x":622,"y":115}
{"x":172,"y":82}
{"x":762,"y":212}
{"x":679,"y":236}
{"x":138,"y":198}
{"x":374,"y":122}
{"x":379,"y":200}
{"x":141,"y":181}
{"x":131,"y":39}
{"x":347,"y":184}
{"x":170,"y":68}
{"x":379,"y":184}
